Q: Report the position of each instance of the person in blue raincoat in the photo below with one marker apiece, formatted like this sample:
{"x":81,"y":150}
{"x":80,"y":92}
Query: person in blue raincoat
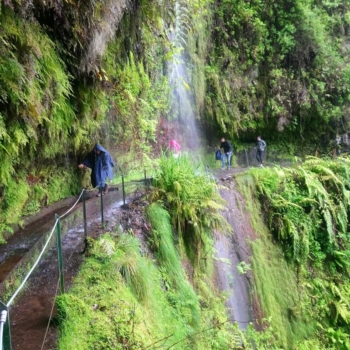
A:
{"x":101,"y":163}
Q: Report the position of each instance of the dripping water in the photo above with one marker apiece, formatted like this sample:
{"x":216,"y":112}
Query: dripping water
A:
{"x":182,"y":93}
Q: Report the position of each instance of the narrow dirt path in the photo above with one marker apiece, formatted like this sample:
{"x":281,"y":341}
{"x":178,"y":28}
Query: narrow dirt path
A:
{"x":30,"y":315}
{"x":234,"y":249}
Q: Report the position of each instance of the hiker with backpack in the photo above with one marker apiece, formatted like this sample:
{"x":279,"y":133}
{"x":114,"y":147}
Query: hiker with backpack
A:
{"x":227,"y":153}
{"x":101,"y":163}
{"x":260,"y":148}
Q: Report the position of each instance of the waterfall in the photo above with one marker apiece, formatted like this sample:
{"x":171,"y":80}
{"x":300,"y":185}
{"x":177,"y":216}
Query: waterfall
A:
{"x":179,"y":78}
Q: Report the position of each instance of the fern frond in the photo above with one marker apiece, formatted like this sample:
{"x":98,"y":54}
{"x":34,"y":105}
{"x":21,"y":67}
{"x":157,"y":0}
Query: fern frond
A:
{"x":107,"y":246}
{"x":342,"y":217}
{"x":329,"y":224}
{"x":342,"y":310}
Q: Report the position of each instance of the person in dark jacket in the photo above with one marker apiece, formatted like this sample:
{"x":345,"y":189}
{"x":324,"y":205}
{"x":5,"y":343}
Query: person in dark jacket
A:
{"x":227,"y":153}
{"x":260,"y":148}
{"x":101,"y":163}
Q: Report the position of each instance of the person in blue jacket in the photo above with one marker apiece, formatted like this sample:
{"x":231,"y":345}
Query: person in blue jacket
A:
{"x":101,"y":163}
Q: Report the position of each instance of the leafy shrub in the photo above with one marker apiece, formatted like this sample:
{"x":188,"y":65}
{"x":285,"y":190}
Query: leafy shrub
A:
{"x":192,"y":200}
{"x":307,"y":210}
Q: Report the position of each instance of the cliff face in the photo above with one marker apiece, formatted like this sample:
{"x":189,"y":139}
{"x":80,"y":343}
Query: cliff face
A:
{"x":73,"y":73}
{"x":281,"y":68}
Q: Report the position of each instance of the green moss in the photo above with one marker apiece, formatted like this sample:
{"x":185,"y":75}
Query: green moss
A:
{"x":104,"y":310}
{"x":297,"y":261}
{"x":16,"y":196}
{"x":162,"y":241}
{"x":275,"y":281}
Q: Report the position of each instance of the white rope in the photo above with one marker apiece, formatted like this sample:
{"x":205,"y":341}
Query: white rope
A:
{"x":43,"y":250}
{"x":2,"y":323}
{"x":33,"y":267}
{"x":68,"y":211}
{"x":53,"y":303}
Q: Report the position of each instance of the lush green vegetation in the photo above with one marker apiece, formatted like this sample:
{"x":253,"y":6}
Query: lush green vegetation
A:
{"x":279,"y":66}
{"x":192,"y":200}
{"x":73,"y":73}
{"x":57,"y":98}
{"x":123,"y":299}
{"x":69,"y":78}
{"x":132,"y":295}
{"x":306,"y":210}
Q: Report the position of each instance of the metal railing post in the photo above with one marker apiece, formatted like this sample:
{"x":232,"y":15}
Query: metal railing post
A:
{"x":101,"y":197}
{"x":123,"y":188}
{"x":84,"y":216}
{"x":246,"y":157}
{"x":5,"y":337}
{"x":59,"y":254}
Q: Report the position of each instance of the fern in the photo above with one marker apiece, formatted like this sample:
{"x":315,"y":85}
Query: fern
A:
{"x":341,"y":303}
{"x":192,"y":199}
{"x":342,"y":217}
{"x":107,"y":246}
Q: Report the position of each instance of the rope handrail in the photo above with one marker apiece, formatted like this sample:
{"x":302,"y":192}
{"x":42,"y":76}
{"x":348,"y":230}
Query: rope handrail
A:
{"x":33,"y":267}
{"x":70,"y":209}
{"x":77,"y":201}
{"x":45,"y":246}
{"x":48,"y":239}
{"x":25,"y":279}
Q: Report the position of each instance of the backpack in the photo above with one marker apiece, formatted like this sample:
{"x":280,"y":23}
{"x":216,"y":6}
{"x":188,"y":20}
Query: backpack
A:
{"x":218,"y":155}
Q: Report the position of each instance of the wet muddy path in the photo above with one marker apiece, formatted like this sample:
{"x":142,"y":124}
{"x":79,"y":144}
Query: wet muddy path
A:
{"x":32,"y":312}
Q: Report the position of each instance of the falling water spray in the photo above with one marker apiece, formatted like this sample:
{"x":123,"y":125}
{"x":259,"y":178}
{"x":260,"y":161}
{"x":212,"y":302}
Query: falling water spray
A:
{"x":182,"y":93}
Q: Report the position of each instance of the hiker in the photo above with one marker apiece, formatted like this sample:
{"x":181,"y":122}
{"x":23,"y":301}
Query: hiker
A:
{"x":260,"y":148}
{"x":227,"y":153}
{"x":175,"y":147}
{"x":101,"y":163}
